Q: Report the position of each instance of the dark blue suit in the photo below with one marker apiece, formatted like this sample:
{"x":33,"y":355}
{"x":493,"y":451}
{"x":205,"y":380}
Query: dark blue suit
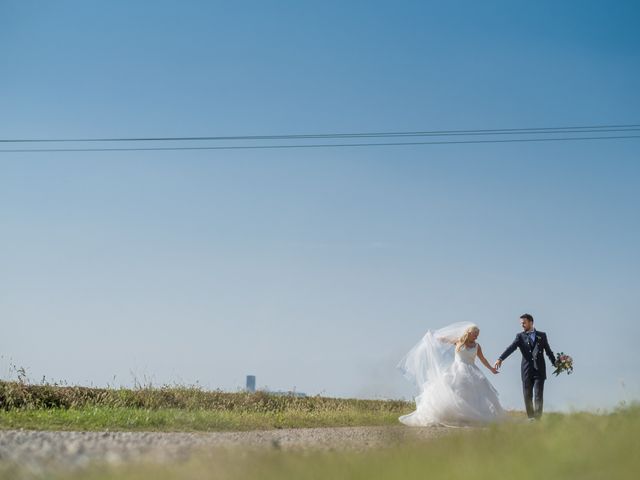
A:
{"x":533,"y":368}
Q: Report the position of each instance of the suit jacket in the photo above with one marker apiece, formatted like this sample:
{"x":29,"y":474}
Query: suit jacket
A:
{"x":533,"y":364}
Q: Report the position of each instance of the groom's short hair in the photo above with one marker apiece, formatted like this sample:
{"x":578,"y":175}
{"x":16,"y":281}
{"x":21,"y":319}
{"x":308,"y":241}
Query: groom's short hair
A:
{"x":527,"y":316}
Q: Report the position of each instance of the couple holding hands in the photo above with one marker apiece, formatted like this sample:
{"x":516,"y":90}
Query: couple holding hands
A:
{"x":452,"y":389}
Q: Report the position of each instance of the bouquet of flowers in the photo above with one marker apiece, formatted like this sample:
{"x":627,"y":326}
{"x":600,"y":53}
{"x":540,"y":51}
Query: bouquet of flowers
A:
{"x":564,"y":363}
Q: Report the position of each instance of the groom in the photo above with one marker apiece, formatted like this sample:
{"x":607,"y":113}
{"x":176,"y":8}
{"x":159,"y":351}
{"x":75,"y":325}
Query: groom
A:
{"x":532,"y":343}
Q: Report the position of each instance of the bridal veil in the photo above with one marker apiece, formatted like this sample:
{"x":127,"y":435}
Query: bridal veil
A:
{"x":431,"y":356}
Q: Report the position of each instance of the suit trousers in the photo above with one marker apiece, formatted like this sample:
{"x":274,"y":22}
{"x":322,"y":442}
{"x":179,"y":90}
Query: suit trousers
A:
{"x":533,"y":389}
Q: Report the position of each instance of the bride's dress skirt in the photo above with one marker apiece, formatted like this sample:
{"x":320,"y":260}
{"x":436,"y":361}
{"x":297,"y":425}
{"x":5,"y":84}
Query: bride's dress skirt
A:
{"x":462,"y":395}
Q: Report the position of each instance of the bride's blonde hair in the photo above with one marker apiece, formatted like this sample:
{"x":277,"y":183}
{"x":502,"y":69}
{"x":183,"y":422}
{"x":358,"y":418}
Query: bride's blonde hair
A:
{"x":463,"y":339}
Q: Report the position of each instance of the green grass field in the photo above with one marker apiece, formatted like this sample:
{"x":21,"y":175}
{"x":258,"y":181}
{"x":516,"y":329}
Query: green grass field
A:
{"x":176,"y":408}
{"x":581,"y":445}
{"x":575,"y":446}
{"x":181,"y":420}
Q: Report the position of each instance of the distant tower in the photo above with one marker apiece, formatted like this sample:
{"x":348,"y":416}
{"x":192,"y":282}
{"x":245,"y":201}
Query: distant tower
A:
{"x":251,"y":383}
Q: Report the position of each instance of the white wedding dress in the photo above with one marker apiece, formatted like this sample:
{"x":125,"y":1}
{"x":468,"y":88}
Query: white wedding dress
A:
{"x":453,"y":390}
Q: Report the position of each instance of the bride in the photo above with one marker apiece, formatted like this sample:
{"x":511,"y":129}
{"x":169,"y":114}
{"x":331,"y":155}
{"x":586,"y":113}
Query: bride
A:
{"x":452,"y":389}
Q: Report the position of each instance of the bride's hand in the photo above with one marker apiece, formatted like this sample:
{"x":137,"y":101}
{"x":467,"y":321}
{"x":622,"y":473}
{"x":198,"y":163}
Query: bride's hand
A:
{"x":494,"y":370}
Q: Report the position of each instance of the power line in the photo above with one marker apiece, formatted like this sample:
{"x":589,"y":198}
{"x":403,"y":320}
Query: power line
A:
{"x":436,"y":133}
{"x":378,"y":144}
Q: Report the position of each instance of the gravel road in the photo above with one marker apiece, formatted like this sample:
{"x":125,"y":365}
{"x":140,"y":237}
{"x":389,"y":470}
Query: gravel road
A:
{"x":41,"y":450}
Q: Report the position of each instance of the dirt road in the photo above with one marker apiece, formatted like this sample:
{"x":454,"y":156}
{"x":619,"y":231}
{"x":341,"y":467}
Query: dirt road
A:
{"x":40,"y":450}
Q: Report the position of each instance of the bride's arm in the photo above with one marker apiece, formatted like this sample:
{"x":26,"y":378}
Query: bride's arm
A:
{"x":484,"y":360}
{"x":446,"y":340}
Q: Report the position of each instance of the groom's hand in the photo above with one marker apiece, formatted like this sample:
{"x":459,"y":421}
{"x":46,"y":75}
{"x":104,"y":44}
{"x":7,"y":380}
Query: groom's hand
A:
{"x":498,"y":364}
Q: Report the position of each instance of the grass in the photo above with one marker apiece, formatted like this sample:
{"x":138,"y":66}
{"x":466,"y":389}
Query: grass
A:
{"x":179,"y":408}
{"x":580,"y":445}
{"x":574,"y":446}
{"x":172,"y":419}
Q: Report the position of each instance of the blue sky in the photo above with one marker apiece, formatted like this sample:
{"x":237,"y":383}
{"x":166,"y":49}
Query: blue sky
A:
{"x":317,"y":268}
